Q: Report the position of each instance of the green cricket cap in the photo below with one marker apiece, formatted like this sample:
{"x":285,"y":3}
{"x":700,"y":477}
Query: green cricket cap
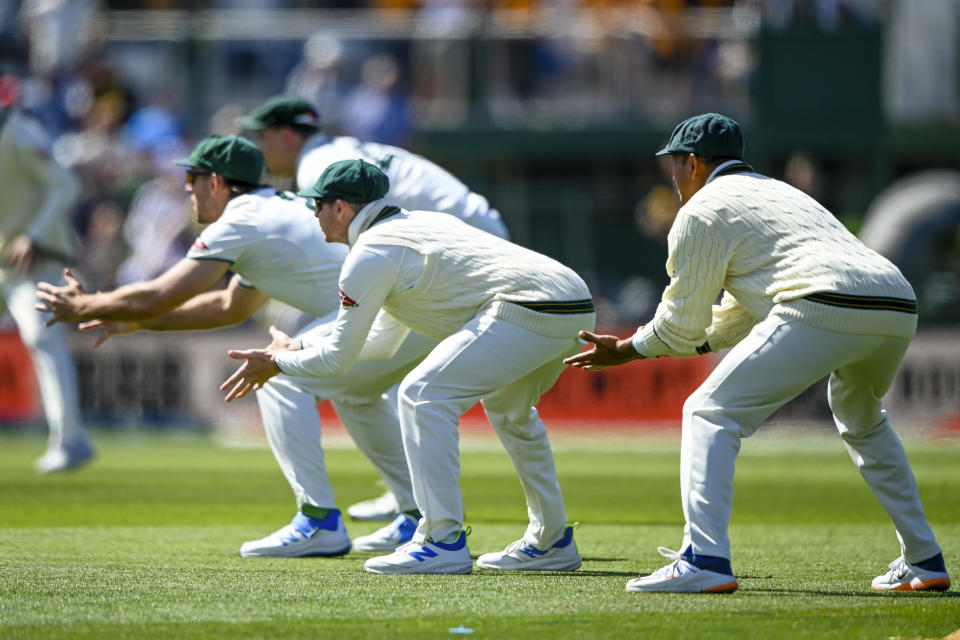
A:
{"x":708,"y":135}
{"x":350,"y":180}
{"x":232,"y":157}
{"x":282,"y":111}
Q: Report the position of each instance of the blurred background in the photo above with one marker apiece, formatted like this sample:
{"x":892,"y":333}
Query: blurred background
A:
{"x":552,"y":109}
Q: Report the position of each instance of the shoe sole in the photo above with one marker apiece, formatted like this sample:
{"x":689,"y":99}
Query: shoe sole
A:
{"x":728,"y":587}
{"x":309,"y":554}
{"x":567,"y":567}
{"x":936,"y":584}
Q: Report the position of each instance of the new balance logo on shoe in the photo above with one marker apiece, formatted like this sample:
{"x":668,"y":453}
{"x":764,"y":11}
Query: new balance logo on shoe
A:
{"x":423,"y":554}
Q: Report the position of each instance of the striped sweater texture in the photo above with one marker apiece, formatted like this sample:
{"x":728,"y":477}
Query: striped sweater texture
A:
{"x":469,"y":273}
{"x":768,"y":247}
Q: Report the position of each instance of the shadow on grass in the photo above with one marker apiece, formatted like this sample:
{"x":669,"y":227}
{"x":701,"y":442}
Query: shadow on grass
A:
{"x":862,"y":594}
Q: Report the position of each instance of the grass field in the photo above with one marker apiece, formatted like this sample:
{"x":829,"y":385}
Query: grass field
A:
{"x":143,"y":544}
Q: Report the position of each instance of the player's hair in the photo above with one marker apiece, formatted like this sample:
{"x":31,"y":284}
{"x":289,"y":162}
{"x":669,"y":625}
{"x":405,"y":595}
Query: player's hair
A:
{"x":238,"y":188}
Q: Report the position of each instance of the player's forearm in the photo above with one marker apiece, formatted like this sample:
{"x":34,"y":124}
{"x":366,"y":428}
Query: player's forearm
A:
{"x":206,"y":311}
{"x":133,"y":302}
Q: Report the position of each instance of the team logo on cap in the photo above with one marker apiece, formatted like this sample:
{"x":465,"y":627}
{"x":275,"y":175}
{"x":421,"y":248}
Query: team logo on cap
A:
{"x":307,"y":117}
{"x":347,"y":301}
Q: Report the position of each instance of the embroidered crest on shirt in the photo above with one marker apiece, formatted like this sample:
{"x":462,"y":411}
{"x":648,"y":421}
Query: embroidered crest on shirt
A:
{"x":346,"y":300}
{"x":200,"y":245}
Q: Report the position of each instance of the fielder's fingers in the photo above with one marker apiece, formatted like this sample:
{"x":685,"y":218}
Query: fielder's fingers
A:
{"x":242,"y":388}
{"x":90,"y":325}
{"x":243,"y":354}
{"x":589,"y":335}
{"x":232,"y":380}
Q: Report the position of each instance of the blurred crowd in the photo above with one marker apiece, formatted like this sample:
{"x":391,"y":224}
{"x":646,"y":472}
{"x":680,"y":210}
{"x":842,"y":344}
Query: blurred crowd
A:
{"x":134,"y":219}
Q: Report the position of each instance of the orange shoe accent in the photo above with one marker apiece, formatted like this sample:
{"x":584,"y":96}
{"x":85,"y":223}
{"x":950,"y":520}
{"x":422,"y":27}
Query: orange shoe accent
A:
{"x":728,"y":587}
{"x":937,"y":584}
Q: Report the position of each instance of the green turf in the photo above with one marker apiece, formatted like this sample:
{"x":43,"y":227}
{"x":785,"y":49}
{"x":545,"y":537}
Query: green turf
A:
{"x":143,"y":544}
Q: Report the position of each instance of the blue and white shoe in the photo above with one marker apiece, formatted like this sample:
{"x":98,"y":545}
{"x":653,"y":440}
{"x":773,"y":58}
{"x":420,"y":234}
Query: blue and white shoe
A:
{"x":304,"y":536}
{"x":66,"y":458}
{"x":681,"y":576}
{"x":521,"y":556}
{"x":388,"y":538}
{"x":429,"y":557}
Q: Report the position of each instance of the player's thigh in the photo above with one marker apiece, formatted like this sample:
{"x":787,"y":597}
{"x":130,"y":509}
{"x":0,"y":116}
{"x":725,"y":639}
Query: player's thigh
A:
{"x":485,"y":355}
{"x":857,"y":388}
{"x":514,"y":401}
{"x":777,"y":360}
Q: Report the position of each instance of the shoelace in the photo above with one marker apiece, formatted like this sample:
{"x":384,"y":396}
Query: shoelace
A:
{"x":672,"y":570}
{"x":898,"y":568}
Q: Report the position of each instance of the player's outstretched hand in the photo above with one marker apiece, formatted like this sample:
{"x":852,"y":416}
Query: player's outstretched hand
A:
{"x":62,"y":302}
{"x":607,"y":351}
{"x":281,"y":341}
{"x":107,"y":329}
{"x":252,"y":374}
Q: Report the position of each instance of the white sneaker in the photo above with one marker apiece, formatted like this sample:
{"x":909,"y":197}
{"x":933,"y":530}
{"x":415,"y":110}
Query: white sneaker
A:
{"x":382,"y":509}
{"x":682,"y":577}
{"x":66,"y":458}
{"x":520,"y":556}
{"x":388,"y":538}
{"x":429,"y":557}
{"x":304,"y":536}
{"x":904,"y":576}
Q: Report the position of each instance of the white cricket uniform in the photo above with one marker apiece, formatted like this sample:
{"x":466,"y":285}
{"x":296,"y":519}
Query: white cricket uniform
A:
{"x":37,"y":196}
{"x":275,"y":245}
{"x":506,"y":317}
{"x":416,"y":184}
{"x":803,"y":298}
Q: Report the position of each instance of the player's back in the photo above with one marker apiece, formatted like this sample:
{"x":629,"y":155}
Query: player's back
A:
{"x":416,"y":183}
{"x":276,"y":245}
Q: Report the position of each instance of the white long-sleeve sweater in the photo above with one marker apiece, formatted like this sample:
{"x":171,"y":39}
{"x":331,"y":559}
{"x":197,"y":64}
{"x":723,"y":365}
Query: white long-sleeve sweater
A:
{"x":768,"y":247}
{"x":433,"y":273}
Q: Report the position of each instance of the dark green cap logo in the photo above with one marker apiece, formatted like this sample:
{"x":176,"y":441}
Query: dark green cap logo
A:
{"x":708,"y":135}
{"x":232,"y":157}
{"x":282,"y":111}
{"x":350,"y":180}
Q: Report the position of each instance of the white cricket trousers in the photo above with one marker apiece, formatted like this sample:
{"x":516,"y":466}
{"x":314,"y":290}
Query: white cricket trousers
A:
{"x":507,"y":368}
{"x":779,"y":359}
{"x":56,"y":372}
{"x":365,"y":400}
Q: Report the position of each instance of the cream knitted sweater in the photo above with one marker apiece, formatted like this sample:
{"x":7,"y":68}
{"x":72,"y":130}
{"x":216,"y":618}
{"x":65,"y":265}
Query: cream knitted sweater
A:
{"x":466,"y":273}
{"x":768,"y":246}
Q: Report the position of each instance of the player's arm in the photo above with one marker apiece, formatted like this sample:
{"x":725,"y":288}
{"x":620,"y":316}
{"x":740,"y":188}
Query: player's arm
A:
{"x":221,"y":308}
{"x":697,"y":263}
{"x":137,"y":301}
{"x":367,"y":278}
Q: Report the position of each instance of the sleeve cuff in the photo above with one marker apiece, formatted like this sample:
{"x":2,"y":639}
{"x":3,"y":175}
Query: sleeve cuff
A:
{"x":648,"y":344}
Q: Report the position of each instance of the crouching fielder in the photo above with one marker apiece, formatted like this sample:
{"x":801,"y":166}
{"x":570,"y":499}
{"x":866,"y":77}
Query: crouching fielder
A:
{"x":803,"y":299}
{"x":506,"y":317}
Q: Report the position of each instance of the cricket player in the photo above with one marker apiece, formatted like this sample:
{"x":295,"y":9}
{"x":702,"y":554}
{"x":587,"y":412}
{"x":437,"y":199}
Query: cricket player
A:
{"x":272,"y":244}
{"x":288,"y":133}
{"x":36,"y":241}
{"x":802,"y":299}
{"x":505,"y":317}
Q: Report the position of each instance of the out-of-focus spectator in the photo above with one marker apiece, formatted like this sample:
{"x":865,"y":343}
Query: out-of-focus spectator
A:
{"x":802,"y":172}
{"x":378,"y":108}
{"x":103,"y":249}
{"x":319,"y":79}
